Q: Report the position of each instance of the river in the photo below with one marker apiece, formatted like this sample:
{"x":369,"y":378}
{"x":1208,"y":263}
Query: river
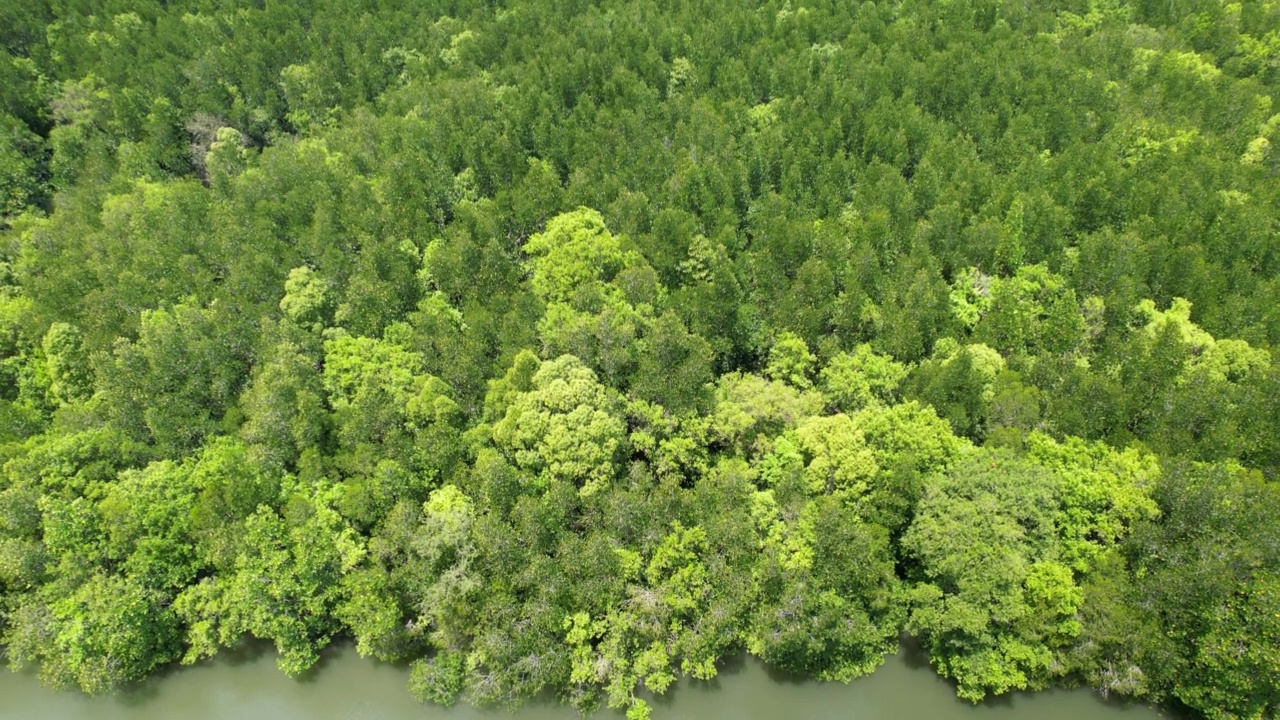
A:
{"x":345,"y":687}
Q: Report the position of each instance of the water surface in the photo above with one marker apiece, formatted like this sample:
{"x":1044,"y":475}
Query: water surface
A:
{"x":249,"y":687}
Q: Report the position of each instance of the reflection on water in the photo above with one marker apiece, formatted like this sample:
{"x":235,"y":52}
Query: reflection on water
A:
{"x":246,"y":685}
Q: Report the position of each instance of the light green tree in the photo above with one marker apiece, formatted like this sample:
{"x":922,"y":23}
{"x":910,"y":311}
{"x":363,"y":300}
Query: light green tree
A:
{"x":852,"y":381}
{"x":566,"y":428}
{"x":790,"y":361}
{"x":70,"y":372}
{"x":575,"y":252}
{"x":308,"y":299}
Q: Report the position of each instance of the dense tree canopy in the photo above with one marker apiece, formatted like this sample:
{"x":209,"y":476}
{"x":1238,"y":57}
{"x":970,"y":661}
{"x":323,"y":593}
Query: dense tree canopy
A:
{"x":574,"y":347}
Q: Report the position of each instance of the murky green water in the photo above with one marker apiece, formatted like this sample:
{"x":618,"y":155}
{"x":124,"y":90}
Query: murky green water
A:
{"x":345,"y":687}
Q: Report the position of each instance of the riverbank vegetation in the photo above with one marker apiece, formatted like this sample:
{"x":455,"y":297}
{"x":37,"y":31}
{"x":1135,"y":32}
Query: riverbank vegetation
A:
{"x":572,"y":347}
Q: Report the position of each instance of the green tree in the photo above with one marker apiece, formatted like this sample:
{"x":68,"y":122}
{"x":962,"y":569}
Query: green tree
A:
{"x":984,"y":538}
{"x":105,"y":634}
{"x":284,"y":586}
{"x":1204,"y":575}
{"x":172,"y":386}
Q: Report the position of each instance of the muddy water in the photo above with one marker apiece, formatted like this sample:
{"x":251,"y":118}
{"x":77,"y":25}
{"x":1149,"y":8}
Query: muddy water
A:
{"x":249,"y":687}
